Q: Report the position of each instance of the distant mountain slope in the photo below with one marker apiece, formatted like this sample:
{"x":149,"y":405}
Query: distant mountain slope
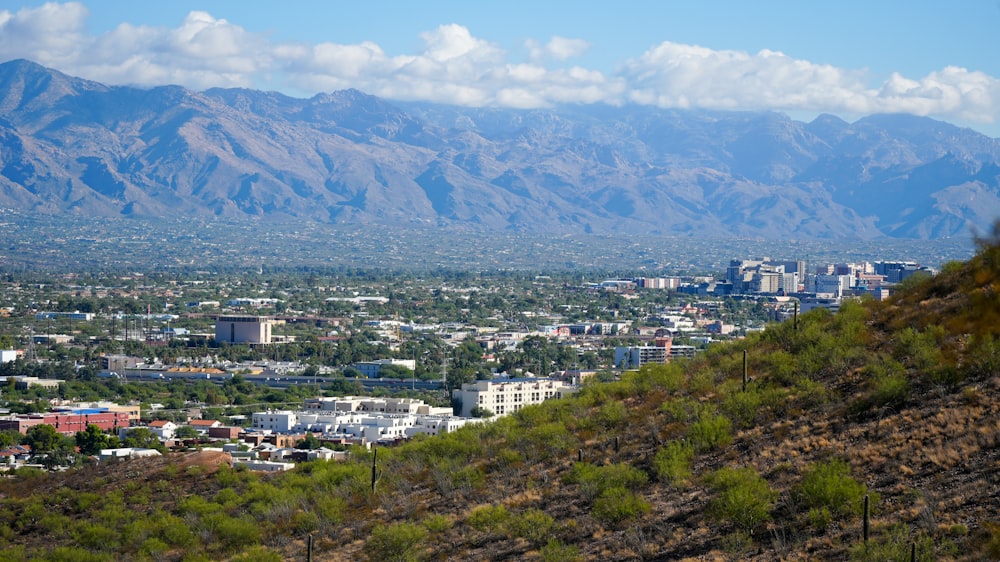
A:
{"x":69,"y":145}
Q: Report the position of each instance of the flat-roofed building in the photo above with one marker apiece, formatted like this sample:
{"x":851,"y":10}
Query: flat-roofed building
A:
{"x":69,"y":422}
{"x":634,"y":357}
{"x":508,"y":396}
{"x":253,"y":330}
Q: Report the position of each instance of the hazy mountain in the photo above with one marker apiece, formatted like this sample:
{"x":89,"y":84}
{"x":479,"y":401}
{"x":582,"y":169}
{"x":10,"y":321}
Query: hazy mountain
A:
{"x":69,"y":145}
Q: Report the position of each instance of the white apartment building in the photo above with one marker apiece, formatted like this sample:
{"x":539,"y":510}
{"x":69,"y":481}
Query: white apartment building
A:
{"x":506,"y":397}
{"x":637,"y":356}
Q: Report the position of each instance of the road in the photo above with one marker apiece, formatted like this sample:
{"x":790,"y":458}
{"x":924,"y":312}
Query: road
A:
{"x":277,"y":381}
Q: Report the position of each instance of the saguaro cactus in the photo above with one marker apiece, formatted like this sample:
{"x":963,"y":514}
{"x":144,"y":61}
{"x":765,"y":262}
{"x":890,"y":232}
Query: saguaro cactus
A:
{"x":866,"y":525}
{"x":374,"y":469}
{"x":745,"y":373}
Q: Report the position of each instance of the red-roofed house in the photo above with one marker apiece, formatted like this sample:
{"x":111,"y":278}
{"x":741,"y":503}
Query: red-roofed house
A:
{"x":164,"y":429}
{"x":204,"y":425}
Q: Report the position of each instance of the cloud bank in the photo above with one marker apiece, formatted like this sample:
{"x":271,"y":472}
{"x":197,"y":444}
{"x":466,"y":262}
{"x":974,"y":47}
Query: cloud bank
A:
{"x":455,"y":67}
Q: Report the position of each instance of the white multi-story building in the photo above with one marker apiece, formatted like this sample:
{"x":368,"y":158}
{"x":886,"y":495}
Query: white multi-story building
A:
{"x":278,"y":421}
{"x":507,"y":397}
{"x":375,"y":405}
{"x":637,"y":356}
{"x":835,"y":285}
{"x":372,"y":419}
{"x":243,"y":329}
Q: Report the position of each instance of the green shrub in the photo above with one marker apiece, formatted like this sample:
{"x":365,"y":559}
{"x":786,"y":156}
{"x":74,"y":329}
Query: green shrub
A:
{"x":666,"y":376}
{"x":232,"y":533}
{"x":488,"y":518}
{"x":14,"y":553}
{"x":257,"y":554}
{"x":304,"y":522}
{"x":197,"y":505}
{"x":820,"y":518}
{"x":681,"y":409}
{"x":744,"y":497}
{"x":611,"y":414}
{"x":672,"y":463}
{"x":96,"y":537}
{"x":808,"y":393}
{"x":743,"y":406}
{"x":830,"y":485}
{"x":556,"y":551}
{"x":595,"y":480}
{"x":702,"y":383}
{"x":894,"y":544}
{"x":74,"y":554}
{"x":545,"y":442}
{"x":711,"y":431}
{"x":619,"y":504}
{"x":330,"y":508}
{"x":173,"y":530}
{"x":396,"y":542}
{"x":533,"y":524}
{"x":887,"y":385}
{"x":989,"y":545}
{"x":153,"y":547}
{"x":890,"y":390}
{"x":437,"y":523}
{"x":982,"y":356}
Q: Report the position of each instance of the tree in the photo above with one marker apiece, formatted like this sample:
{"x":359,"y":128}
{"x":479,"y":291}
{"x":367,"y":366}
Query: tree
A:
{"x":456,"y":377}
{"x":9,"y":437}
{"x":186,"y":432}
{"x":142,"y":437}
{"x":92,"y":440}
{"x":42,"y":438}
{"x":480,"y":412}
{"x":310,"y":442}
{"x":395,"y":372}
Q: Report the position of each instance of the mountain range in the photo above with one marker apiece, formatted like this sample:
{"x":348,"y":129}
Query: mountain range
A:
{"x":73,"y":146}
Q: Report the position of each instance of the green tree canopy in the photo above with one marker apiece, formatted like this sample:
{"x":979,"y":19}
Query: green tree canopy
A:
{"x":42,"y":438}
{"x":92,"y":440}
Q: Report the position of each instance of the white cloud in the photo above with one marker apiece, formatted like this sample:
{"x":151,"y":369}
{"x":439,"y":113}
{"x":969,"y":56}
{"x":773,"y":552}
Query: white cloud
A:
{"x":952,"y":92}
{"x":674,"y":75}
{"x":454,"y":66}
{"x":558,"y":48}
{"x":49,"y":34}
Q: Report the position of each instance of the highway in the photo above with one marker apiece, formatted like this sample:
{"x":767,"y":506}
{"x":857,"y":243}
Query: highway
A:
{"x":275,"y":381}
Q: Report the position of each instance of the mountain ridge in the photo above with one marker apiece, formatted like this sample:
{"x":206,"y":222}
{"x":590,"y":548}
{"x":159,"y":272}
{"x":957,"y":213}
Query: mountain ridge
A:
{"x":69,"y":145}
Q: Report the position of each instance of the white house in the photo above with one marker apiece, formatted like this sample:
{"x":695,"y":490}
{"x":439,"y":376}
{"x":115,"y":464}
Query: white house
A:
{"x":163,"y":429}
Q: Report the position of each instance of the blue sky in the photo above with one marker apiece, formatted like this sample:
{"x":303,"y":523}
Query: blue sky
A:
{"x":849,"y":58}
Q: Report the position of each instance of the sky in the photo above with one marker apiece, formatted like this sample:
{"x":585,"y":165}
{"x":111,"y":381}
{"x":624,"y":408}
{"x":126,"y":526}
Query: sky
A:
{"x":849,"y":58}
